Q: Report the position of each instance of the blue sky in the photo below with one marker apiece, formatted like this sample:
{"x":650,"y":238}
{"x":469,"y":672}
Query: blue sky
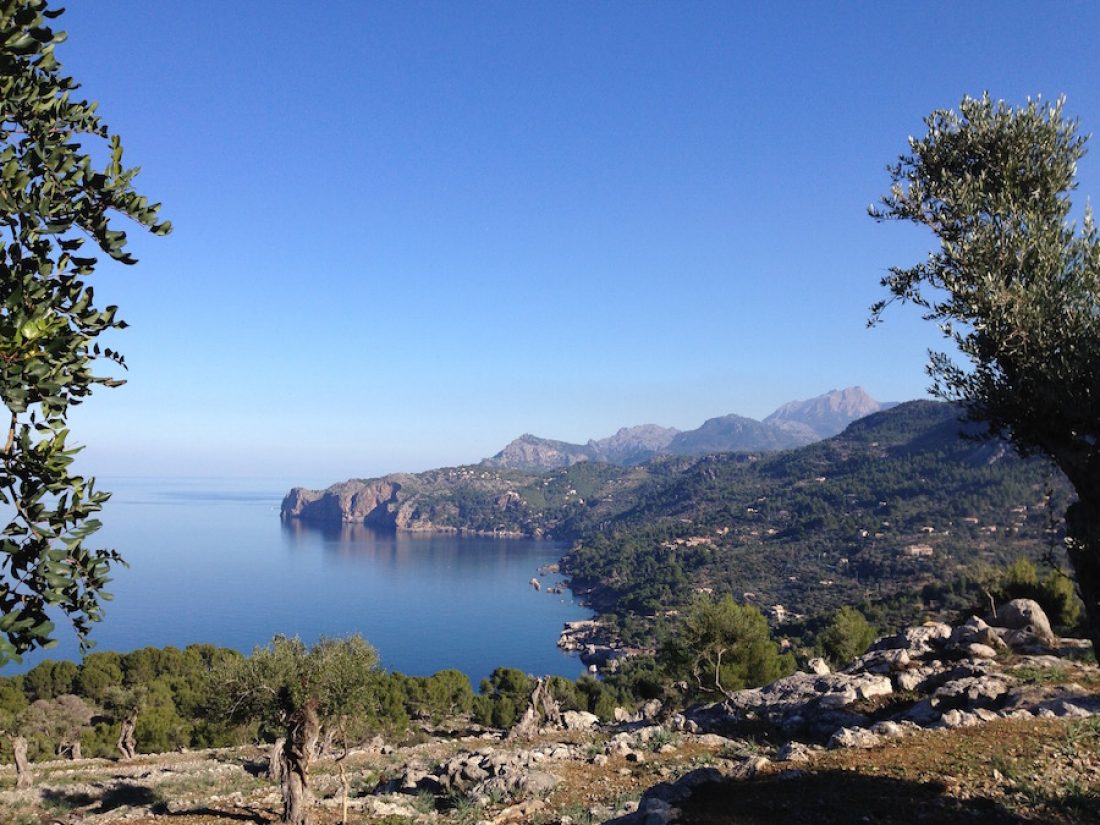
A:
{"x":407,"y":232}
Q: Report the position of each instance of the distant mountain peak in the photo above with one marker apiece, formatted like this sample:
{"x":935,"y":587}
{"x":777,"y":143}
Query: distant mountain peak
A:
{"x":830,"y":413}
{"x":794,"y":424}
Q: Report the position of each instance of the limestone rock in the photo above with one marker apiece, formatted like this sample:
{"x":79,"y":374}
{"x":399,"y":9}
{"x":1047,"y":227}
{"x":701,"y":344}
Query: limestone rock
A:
{"x":794,"y":752}
{"x":579,"y":720}
{"x":1026,"y":614}
{"x":854,"y":738}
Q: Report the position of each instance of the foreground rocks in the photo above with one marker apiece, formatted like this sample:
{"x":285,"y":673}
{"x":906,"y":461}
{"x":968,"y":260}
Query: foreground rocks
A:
{"x":561,"y":767}
{"x":932,"y":676}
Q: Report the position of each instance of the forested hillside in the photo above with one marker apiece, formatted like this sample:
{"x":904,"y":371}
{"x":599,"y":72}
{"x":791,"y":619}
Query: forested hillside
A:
{"x":902,"y":500}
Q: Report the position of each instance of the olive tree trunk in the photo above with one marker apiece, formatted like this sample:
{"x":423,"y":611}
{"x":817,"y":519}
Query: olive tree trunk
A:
{"x":126,"y":744}
{"x":23,"y":776}
{"x":276,"y":765}
{"x":1083,"y":546}
{"x":302,"y":730}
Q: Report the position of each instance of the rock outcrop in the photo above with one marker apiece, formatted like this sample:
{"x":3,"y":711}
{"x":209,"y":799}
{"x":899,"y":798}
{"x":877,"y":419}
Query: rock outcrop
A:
{"x":930,"y":676}
{"x":372,"y":502}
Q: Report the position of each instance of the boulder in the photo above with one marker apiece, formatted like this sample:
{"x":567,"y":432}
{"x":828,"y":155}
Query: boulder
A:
{"x":890,"y":660}
{"x":970,"y":691}
{"x":1025,"y":614}
{"x":975,"y":631}
{"x":794,"y":752}
{"x":854,"y":738}
{"x":918,"y":640}
{"x":579,"y":720}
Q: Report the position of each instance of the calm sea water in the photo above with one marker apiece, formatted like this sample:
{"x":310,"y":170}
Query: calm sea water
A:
{"x":210,"y":561}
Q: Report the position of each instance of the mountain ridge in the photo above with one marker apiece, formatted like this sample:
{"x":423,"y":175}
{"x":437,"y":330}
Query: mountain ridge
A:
{"x":793,"y":424}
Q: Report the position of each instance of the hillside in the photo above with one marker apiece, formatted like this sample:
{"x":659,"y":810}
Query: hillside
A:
{"x":901,"y":500}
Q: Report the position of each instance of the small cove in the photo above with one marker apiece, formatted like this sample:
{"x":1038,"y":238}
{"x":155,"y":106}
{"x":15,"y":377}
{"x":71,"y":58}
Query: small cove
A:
{"x":210,"y":561}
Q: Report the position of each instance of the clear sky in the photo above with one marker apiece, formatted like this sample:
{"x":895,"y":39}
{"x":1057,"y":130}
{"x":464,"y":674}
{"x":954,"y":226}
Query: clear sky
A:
{"x":407,"y":232}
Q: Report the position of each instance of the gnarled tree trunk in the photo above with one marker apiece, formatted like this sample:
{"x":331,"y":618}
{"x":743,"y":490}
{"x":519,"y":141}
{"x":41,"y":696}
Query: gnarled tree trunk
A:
{"x":1083,"y":547}
{"x":276,"y":762}
{"x":542,"y":707}
{"x":302,"y":730}
{"x":23,"y":776}
{"x":126,"y":744}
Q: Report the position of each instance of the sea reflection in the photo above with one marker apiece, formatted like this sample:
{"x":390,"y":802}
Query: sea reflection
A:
{"x":426,"y":601}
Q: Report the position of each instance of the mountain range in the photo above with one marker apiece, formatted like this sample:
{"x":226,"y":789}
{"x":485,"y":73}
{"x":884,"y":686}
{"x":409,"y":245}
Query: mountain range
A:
{"x":794,"y":424}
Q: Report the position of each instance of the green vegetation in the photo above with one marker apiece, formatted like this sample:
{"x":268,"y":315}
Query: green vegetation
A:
{"x":898,"y":515}
{"x":1015,"y":287}
{"x":293,"y":690}
{"x":720,"y":646}
{"x":847,"y":636}
{"x":1054,"y":592}
{"x":53,"y":199}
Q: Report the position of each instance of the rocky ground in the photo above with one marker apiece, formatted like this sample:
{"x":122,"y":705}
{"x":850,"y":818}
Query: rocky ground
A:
{"x":940,"y":724}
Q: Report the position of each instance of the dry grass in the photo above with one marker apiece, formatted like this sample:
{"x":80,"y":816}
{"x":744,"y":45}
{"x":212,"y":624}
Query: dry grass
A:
{"x":1009,"y":771}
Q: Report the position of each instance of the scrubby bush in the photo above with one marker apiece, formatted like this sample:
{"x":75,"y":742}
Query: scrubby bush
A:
{"x":846,"y":637}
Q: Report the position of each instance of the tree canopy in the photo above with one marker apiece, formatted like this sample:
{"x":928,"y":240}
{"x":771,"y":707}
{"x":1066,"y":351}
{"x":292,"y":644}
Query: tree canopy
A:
{"x":54,"y":198}
{"x":1015,"y":285}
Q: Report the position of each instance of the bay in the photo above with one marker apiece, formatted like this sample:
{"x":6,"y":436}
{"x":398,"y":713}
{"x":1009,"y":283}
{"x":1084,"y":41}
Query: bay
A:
{"x":210,"y":561}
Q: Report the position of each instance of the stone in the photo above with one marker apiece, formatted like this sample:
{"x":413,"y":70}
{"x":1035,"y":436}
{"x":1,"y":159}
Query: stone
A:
{"x":959,"y":719}
{"x":881,"y":661}
{"x":819,"y":666}
{"x":1070,"y":710}
{"x":538,"y":783}
{"x":917,"y":640}
{"x":975,"y":631}
{"x":976,"y":650}
{"x":888,"y":729}
{"x":1026,"y":614}
{"x":579,"y":720}
{"x":794,"y":752}
{"x":970,"y":691}
{"x":853,"y":738}
{"x":874,"y":686}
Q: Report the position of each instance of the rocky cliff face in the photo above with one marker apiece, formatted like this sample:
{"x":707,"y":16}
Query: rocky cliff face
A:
{"x":451,"y":500}
{"x":373,"y":502}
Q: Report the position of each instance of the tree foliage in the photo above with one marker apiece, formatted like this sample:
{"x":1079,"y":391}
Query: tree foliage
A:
{"x":296,"y":689}
{"x":721,"y":646}
{"x":1015,"y":286}
{"x":54,"y":198}
{"x":847,"y":636}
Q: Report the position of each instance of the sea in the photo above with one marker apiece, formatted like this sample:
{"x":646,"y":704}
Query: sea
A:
{"x":211,"y":561}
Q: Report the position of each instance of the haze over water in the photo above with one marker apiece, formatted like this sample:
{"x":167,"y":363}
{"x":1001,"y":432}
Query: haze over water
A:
{"x":210,"y":561}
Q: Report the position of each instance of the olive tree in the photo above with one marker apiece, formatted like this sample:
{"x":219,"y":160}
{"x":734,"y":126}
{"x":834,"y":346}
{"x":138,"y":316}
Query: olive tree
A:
{"x":1015,"y":286}
{"x":56,"y":724}
{"x":54,"y":198}
{"x":297,"y":690}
